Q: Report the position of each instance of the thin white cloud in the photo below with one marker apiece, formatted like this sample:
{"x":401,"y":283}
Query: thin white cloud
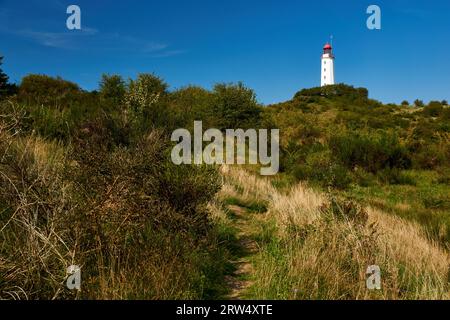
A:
{"x":94,"y":40}
{"x":62,"y":40}
{"x":168,"y":53}
{"x":122,"y":42}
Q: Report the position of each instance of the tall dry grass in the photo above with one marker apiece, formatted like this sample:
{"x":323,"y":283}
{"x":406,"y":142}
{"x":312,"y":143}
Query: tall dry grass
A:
{"x":136,"y":225}
{"x":34,"y":199}
{"x":321,"y":247}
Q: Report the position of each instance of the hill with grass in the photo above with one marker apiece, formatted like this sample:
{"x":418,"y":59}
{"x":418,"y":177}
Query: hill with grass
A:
{"x":394,"y":157}
{"x":86,"y":179}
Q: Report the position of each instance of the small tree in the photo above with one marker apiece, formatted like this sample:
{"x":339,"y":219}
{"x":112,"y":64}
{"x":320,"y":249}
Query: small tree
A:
{"x":235,"y":106}
{"x":4,"y":86}
{"x":419,"y":103}
{"x":444,"y":102}
{"x":112,"y":89}
{"x":145,"y":100}
{"x":405,"y":103}
{"x":192,"y":103}
{"x":144,"y":92}
{"x":433,"y":109}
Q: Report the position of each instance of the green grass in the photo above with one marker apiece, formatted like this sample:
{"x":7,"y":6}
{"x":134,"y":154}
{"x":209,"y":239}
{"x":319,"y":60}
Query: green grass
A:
{"x":426,"y":201}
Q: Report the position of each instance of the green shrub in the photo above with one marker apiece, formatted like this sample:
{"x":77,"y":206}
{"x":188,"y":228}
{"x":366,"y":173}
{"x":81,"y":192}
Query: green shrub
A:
{"x":235,"y":106}
{"x":437,"y":202}
{"x":363,"y":178}
{"x":429,"y":154}
{"x":339,"y":90}
{"x":48,"y":91}
{"x":192,"y":103}
{"x":433,"y":109}
{"x":443,"y":175}
{"x":395,"y":176}
{"x":112,"y":91}
{"x":321,"y":168}
{"x":372,"y":152}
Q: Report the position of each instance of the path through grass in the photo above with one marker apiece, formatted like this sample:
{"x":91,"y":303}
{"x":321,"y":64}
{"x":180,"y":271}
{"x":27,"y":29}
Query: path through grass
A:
{"x":240,"y":280}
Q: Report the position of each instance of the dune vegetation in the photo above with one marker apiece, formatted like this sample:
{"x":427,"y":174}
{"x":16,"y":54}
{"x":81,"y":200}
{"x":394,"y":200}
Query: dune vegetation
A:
{"x":86,"y":179}
{"x":314,"y":246}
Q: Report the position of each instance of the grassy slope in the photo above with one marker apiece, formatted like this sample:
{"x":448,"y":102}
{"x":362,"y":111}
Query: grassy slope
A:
{"x":308,"y":251}
{"x":426,"y":201}
{"x":418,"y":195}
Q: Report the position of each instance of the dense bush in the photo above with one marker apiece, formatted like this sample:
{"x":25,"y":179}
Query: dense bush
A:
{"x":121,"y":212}
{"x":50,"y":122}
{"x":372,"y":151}
{"x":192,"y":103}
{"x":49,"y":91}
{"x":339,"y":90}
{"x":365,"y":141}
{"x":235,"y":106}
{"x":112,"y":91}
{"x":320,"y":167}
{"x":433,"y":109}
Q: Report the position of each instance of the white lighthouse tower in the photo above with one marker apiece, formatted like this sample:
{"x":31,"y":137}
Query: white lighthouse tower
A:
{"x":327,"y":77}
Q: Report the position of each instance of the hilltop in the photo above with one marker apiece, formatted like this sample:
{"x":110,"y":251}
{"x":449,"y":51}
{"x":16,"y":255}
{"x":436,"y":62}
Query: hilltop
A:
{"x":395,"y":157}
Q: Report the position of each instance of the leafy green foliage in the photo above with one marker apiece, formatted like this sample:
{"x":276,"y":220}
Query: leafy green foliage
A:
{"x":419,"y":103}
{"x":339,"y":90}
{"x":336,"y":135}
{"x":112,"y":90}
{"x":192,"y":103}
{"x":372,"y":151}
{"x":235,"y":106}
{"x":433,"y":109}
{"x":51,"y":92}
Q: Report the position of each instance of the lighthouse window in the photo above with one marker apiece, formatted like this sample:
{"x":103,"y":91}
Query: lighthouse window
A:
{"x":324,"y":62}
{"x":325,"y":69}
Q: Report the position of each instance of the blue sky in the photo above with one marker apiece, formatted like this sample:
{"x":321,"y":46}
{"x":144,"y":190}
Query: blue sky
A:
{"x":272,"y":46}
